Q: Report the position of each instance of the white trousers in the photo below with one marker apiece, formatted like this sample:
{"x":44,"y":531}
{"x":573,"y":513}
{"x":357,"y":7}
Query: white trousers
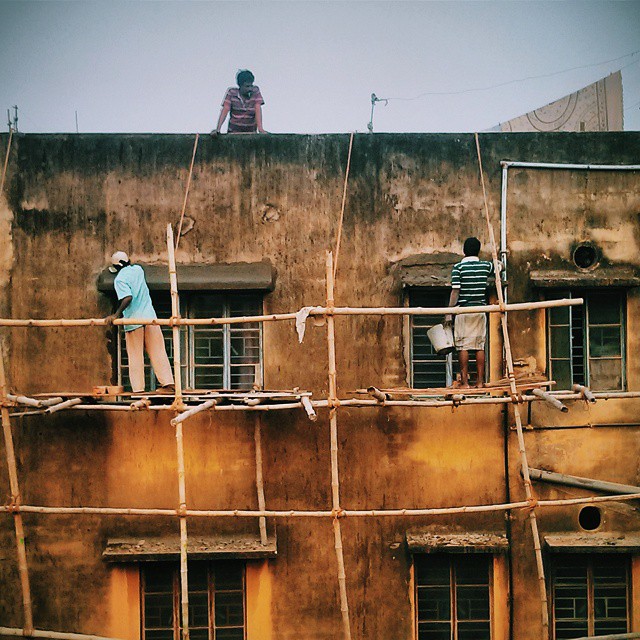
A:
{"x":150,"y":338}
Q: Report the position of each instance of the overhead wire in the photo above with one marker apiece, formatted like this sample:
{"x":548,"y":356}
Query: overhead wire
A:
{"x":525,"y":79}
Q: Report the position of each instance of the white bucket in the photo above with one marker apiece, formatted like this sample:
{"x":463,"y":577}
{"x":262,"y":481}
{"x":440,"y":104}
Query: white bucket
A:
{"x":442,"y":339}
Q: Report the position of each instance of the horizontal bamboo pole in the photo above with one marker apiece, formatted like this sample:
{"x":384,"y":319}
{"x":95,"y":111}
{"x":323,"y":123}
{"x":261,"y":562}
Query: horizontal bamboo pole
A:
{"x":32,"y":402}
{"x":315,"y":311}
{"x":550,"y":400}
{"x":54,"y":635}
{"x":612,"y":636}
{"x":294,"y":513}
{"x":64,"y":405}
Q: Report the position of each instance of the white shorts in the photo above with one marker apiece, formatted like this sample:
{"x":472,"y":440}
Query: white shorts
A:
{"x":470,"y":331}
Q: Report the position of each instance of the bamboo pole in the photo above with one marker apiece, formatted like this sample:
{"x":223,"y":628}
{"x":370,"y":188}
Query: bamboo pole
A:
{"x":186,"y":193}
{"x":53,"y":635}
{"x":6,"y":161}
{"x":293,"y":513}
{"x":335,"y":479}
{"x":67,"y":404}
{"x":528,"y":488}
{"x":179,"y":406}
{"x":193,"y":411}
{"x":32,"y":402}
{"x":308,"y":407}
{"x":277,"y":317}
{"x":550,"y":400}
{"x":344,"y":201}
{"x":15,"y":500}
{"x":257,"y":437}
{"x":587,"y":394}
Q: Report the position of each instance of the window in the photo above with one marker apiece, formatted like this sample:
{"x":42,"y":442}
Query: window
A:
{"x":590,"y":595}
{"x":453,"y":596}
{"x":586,"y":343}
{"x":212,"y":357}
{"x":428,"y":369}
{"x":216,"y":601}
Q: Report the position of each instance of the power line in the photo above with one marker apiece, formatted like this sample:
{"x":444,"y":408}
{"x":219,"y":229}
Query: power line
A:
{"x":504,"y":84}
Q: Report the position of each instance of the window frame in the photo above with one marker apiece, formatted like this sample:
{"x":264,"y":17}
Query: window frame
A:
{"x":174,"y":567}
{"x":590,"y":619}
{"x":187,"y":340}
{"x":454,"y":559}
{"x":586,"y":293}
{"x":451,"y":366}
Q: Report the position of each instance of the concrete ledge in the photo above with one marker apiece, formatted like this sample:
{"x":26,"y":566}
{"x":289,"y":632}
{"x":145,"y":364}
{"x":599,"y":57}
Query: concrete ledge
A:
{"x":168,"y":548}
{"x":419,"y":542}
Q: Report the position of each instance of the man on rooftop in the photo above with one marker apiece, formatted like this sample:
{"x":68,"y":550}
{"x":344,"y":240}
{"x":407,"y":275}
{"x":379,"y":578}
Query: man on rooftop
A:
{"x":244,"y":103}
{"x":468,"y":289}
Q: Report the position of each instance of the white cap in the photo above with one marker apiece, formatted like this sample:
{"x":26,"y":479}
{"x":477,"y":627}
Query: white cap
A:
{"x":117,"y":260}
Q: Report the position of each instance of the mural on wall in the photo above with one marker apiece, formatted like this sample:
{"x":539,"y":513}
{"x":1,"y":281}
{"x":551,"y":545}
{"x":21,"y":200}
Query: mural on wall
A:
{"x":596,"y":107}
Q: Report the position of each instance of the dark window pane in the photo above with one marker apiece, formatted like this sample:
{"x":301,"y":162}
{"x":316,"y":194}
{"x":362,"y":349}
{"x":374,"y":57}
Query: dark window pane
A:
{"x":434,"y":631}
{"x":560,"y":342}
{"x":561,"y":373}
{"x":604,"y":341}
{"x":474,"y":631}
{"x":604,"y":308}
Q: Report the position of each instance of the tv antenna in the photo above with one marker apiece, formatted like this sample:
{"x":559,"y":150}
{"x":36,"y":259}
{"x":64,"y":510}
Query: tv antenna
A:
{"x":374,"y":99}
{"x":12,"y":123}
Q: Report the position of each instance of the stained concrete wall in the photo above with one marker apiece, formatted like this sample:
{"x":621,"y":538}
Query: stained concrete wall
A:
{"x":72,"y":200}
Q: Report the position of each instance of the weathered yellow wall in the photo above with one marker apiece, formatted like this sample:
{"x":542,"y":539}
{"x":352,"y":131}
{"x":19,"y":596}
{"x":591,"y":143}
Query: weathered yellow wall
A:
{"x":72,"y":200}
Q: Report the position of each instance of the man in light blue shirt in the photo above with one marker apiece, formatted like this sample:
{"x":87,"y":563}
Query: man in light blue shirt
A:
{"x":135,"y":302}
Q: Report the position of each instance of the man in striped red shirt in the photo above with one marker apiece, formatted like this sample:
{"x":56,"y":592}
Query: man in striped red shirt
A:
{"x":468,"y":289}
{"x":244,"y":103}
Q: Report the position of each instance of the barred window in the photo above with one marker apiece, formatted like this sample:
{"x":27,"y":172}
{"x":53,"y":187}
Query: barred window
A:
{"x":585,"y":344}
{"x":453,"y":596}
{"x":212,"y":357}
{"x":590,"y":595}
{"x":216,"y":601}
{"x":428,"y":369}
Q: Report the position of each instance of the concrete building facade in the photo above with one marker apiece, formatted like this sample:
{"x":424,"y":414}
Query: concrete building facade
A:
{"x":262,"y":212}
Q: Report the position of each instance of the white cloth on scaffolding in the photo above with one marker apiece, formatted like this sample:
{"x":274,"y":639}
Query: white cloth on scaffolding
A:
{"x":301,"y":321}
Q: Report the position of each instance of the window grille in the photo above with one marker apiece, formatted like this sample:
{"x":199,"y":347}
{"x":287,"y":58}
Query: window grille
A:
{"x":217,"y":596}
{"x":212,"y":357}
{"x":453,"y":596}
{"x":428,"y":369}
{"x":586,"y":343}
{"x":590,"y":596}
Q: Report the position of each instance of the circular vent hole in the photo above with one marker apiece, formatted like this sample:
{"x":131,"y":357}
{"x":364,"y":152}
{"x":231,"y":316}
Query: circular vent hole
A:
{"x":590,"y":518}
{"x":585,"y":256}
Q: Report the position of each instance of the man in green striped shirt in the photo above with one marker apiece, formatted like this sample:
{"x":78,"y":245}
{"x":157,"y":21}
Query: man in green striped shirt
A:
{"x":468,"y":289}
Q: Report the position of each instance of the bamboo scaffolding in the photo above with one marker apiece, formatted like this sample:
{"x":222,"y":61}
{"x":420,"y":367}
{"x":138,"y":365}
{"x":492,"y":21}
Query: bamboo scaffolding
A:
{"x":15,"y":500}
{"x":186,"y":192}
{"x":516,"y":410}
{"x":552,"y":401}
{"x":181,"y":417}
{"x":277,"y":317}
{"x":32,"y":402}
{"x":179,"y":406}
{"x":335,"y":479}
{"x":344,"y":201}
{"x":6,"y":161}
{"x":257,"y":438}
{"x":53,"y":635}
{"x":296,"y":513}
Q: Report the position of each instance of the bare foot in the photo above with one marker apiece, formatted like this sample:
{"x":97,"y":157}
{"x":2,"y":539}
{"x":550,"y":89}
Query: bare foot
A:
{"x":464,"y":386}
{"x":480,"y":385}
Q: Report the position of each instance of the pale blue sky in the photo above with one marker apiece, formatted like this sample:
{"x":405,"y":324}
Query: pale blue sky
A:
{"x":164,"y":66}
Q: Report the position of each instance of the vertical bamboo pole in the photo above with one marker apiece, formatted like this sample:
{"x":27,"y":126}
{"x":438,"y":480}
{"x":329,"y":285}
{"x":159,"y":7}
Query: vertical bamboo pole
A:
{"x":186,"y":192}
{"x":15,"y":499}
{"x":335,"y":480}
{"x":6,"y":161}
{"x":533,"y":522}
{"x":257,"y":436}
{"x":179,"y":406}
